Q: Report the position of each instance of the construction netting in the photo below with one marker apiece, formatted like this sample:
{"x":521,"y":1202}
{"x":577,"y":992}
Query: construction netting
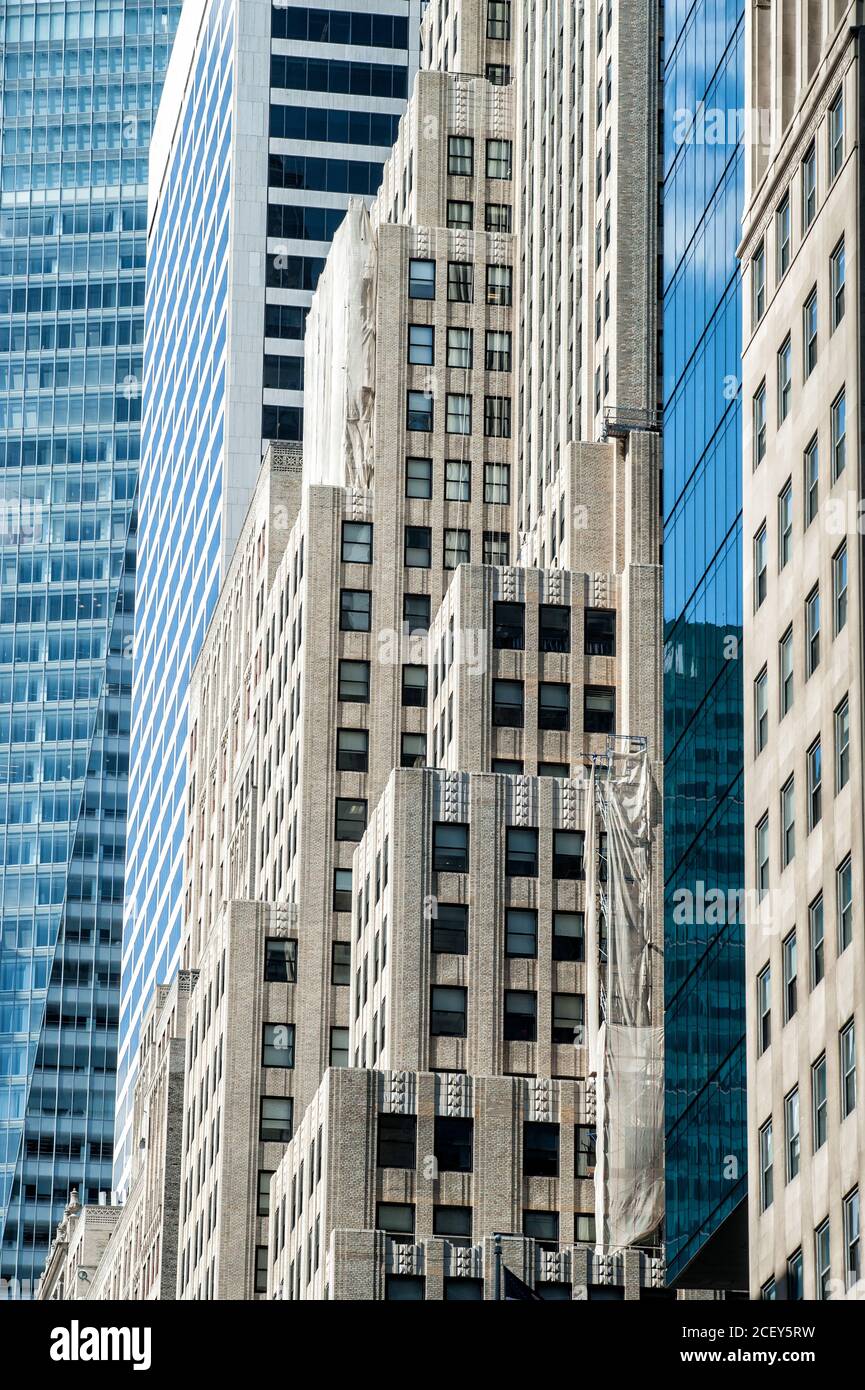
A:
{"x":625,"y":1039}
{"x":339,"y":384}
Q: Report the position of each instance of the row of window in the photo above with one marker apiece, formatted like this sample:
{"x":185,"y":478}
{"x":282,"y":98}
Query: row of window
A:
{"x":461,"y":157}
{"x":783,"y":226}
{"x":453,"y":1145}
{"x":397,"y":1220}
{"x":814,"y":805}
{"x":794,"y":1289}
{"x":449,"y":933}
{"x":554,"y":628}
{"x":460,"y":341}
{"x":813,"y":632}
{"x":599,"y":706}
{"x":357,"y":548}
{"x":458,"y":414}
{"x":458,"y":480}
{"x":451,"y":851}
{"x":460,"y":217}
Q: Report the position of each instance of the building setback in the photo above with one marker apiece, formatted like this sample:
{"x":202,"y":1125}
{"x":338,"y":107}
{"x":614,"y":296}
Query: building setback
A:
{"x":803,"y":653}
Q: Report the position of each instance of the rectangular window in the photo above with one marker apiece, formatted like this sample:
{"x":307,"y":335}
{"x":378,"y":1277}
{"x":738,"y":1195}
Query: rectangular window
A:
{"x":396,"y":1219}
{"x":356,"y":543}
{"x":839,"y":588}
{"x":497,"y":217}
{"x":447,"y":1012}
{"x":554,"y":705}
{"x":498,"y":19}
{"x":521,"y":1016}
{"x":761,"y":711}
{"x":758,"y":284}
{"x":418,"y":547}
{"x":812,"y":481}
{"x":397,"y":1140}
{"x":458,"y":480}
{"x":790,"y":961}
{"x":263,"y":1204}
{"x":839,"y":435}
{"x":355,"y":610}
{"x":450,"y":930}
{"x":354,"y":681}
{"x":498,"y":351}
{"x":509,"y":626}
{"x":419,"y":411}
{"x":497,"y":483}
{"x":599,"y":632}
{"x":280,"y":960}
{"x":837,"y":283}
{"x":497,"y":417}
{"x":339,"y":1047}
{"x":568,"y":853}
{"x":554,"y":628}
{"x":815,"y":934}
{"x":499,"y":74}
{"x":495,"y":551}
{"x":521,"y":852}
{"x":418,"y":478}
{"x":785,"y":379}
{"x":274,"y":1125}
{"x":852,"y":1261}
{"x":795,"y":1277}
{"x":542,"y":1226}
{"x":342,"y":890}
{"x":460,"y":215}
{"x":540,"y":1149}
{"x":847,"y":1041}
{"x":812,"y":632}
{"x":508,"y":704}
{"x":759,"y":424}
{"x":809,"y":334}
{"x":819,"y":1102}
{"x":761,"y":567}
{"x":453,"y":1143}
{"x":340,"y":963}
{"x":585,"y":1150}
{"x":350,"y":819}
{"x":792,"y":1136}
{"x":599,"y":710}
{"x":844,"y":900}
{"x":421,"y":279}
{"x":842,"y":745}
{"x":457,"y":548}
{"x":421,"y":344}
{"x":782,"y":237}
{"x":809,"y":187}
{"x":761,"y":839}
{"x":261,"y":1269}
{"x":569,"y":936}
{"x":788,"y":822}
{"x":460,"y":282}
{"x":498,"y":159}
{"x":766,"y":1178}
{"x":823,"y":1260}
{"x":568,"y":1019}
{"x":836,"y":136}
{"x":416,"y":612}
{"x":521,"y":932}
{"x":450,"y":849}
{"x":785,"y":524}
{"x":352,"y":750}
{"x":499,"y":284}
{"x":277,"y":1045}
{"x":764,"y":1009}
{"x":459,"y":414}
{"x":785,"y":672}
{"x":815,"y":784}
{"x":414,"y":686}
{"x":459,"y":348}
{"x":460,"y":156}
{"x":412,"y":750}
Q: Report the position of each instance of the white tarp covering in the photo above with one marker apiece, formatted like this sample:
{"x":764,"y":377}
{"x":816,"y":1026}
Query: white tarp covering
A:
{"x":627,"y":1052}
{"x":339,"y":377}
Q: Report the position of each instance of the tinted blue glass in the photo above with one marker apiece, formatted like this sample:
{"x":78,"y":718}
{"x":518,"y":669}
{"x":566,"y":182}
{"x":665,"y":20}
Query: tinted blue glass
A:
{"x":79,"y":83}
{"x":704,"y":848}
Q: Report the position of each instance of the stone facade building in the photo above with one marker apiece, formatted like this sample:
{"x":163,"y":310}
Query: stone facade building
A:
{"x":803,"y":653}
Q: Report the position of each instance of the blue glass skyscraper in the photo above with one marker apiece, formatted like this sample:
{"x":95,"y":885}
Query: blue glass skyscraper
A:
{"x":78,"y":86}
{"x":704,"y":45}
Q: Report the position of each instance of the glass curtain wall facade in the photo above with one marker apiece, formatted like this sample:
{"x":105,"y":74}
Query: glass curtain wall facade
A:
{"x":704,"y":947}
{"x":224,"y":369}
{"x":78,"y":86}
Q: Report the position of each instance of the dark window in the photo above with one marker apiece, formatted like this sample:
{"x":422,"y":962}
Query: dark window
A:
{"x":342,"y":890}
{"x":509,"y":626}
{"x":450,"y":929}
{"x":397,"y":1141}
{"x":521,"y":852}
{"x":454,"y":1224}
{"x":540,"y":1149}
{"x":418,"y":547}
{"x":355,"y":610}
{"x":419,"y":411}
{"x":264,"y":1177}
{"x":585,"y":1150}
{"x":397,"y":1219}
{"x":280,"y":960}
{"x":554,"y":628}
{"x":554,"y":709}
{"x":454,"y":1142}
{"x":497,"y":217}
{"x":422,"y":279}
{"x":277,"y":1045}
{"x":521,"y":932}
{"x":340,"y":963}
{"x":568,"y":853}
{"x":352,"y":750}
{"x":521,"y":1016}
{"x":357,"y":542}
{"x":458,"y":1290}
{"x":416,"y":612}
{"x":350,"y":818}
{"x":551,"y":1292}
{"x":569,"y":1019}
{"x":412,"y":750}
{"x":447,"y":1012}
{"x":274,"y":1125}
{"x":600,"y":632}
{"x":354,"y":681}
{"x":569,"y":940}
{"x":508,"y":704}
{"x":553,"y":770}
{"x":339,"y":1047}
{"x":599,"y":710}
{"x":261,"y":1269}
{"x":414,"y":686}
{"x":542,"y":1226}
{"x":405,"y":1288}
{"x":451,"y":848}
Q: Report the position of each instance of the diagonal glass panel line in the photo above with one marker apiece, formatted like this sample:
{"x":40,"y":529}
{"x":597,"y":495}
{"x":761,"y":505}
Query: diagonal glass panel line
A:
{"x":79,"y":85}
